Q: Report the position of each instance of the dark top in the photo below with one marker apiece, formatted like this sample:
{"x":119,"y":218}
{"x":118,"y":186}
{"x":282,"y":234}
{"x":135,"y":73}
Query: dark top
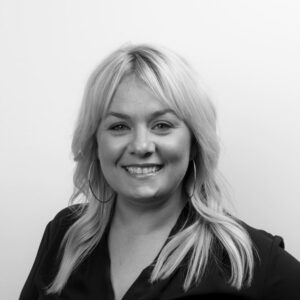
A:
{"x":276,"y":273}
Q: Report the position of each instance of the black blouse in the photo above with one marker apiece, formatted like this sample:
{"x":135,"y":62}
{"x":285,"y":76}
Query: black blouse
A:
{"x":276,"y":273}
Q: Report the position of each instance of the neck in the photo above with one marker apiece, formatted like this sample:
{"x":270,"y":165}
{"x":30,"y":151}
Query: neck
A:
{"x":145,"y":218}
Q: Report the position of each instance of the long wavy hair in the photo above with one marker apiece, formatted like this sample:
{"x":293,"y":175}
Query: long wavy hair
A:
{"x":172,"y":80}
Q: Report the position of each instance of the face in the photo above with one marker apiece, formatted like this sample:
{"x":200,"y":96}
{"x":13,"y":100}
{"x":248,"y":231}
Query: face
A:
{"x":143,"y":147}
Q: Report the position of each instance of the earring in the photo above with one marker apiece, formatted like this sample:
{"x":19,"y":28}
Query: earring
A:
{"x":195,"y":178}
{"x":90,"y":186}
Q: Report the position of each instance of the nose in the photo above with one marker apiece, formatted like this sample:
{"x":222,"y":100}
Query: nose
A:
{"x":141,"y":144}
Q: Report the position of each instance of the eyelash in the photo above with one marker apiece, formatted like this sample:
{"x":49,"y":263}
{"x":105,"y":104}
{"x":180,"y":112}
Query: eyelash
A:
{"x":116,"y":127}
{"x":165,"y":125}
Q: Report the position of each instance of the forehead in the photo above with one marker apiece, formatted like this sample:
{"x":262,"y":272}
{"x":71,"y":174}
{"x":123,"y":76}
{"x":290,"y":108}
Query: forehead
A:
{"x":132,"y":95}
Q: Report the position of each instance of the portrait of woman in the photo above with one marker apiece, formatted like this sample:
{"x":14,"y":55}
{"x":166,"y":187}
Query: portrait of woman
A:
{"x":151,"y":221}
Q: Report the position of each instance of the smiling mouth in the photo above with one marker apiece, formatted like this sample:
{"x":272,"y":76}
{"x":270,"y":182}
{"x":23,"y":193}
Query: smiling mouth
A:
{"x":143,"y":171}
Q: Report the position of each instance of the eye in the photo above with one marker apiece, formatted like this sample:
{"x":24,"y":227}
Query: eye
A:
{"x":118,"y":127}
{"x":162,"y":126}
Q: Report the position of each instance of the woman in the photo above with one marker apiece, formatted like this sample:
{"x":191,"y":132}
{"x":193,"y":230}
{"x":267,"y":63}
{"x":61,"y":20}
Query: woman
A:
{"x":154,"y":224}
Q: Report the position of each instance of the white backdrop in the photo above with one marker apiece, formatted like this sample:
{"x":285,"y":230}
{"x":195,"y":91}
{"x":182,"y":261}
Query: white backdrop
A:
{"x":247,"y":52}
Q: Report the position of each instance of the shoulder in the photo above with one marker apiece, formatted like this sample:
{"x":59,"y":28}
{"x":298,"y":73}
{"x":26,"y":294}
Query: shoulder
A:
{"x":64,"y":219}
{"x":54,"y":235}
{"x":69,"y":214}
{"x":269,"y":246}
{"x":279,"y":269}
{"x":276,"y":273}
{"x":262,"y":240}
{"x":46,"y":262}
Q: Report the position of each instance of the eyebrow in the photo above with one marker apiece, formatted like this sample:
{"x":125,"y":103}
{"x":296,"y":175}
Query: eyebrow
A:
{"x":153,"y":115}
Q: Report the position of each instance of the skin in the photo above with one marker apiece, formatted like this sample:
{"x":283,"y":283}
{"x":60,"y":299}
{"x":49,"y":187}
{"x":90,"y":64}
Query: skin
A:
{"x":132,"y":135}
{"x":140,"y":130}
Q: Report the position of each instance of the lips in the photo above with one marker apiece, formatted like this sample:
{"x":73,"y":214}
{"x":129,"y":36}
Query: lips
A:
{"x":143,"y":170}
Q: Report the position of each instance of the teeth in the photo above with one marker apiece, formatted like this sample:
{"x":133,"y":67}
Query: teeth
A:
{"x":141,"y":171}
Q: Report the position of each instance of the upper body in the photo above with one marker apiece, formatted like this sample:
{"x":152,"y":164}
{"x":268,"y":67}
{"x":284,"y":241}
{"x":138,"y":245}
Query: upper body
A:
{"x":276,"y":274}
{"x":146,"y":146}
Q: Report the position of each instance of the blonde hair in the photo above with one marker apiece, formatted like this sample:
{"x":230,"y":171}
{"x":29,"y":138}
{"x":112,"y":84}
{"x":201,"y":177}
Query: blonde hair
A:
{"x":173,"y":81}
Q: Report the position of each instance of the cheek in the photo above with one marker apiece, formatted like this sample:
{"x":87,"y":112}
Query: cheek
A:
{"x":109,"y":150}
{"x":177,"y":150}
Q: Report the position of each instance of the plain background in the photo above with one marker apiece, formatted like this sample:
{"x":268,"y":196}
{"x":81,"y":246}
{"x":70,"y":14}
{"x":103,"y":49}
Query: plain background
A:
{"x":247,"y":52}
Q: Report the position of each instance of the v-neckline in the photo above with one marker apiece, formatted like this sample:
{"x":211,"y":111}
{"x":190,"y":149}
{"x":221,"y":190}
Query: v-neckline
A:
{"x":142,"y":280}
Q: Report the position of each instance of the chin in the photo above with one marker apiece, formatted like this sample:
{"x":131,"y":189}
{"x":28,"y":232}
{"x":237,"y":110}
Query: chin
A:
{"x":143,"y":195}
